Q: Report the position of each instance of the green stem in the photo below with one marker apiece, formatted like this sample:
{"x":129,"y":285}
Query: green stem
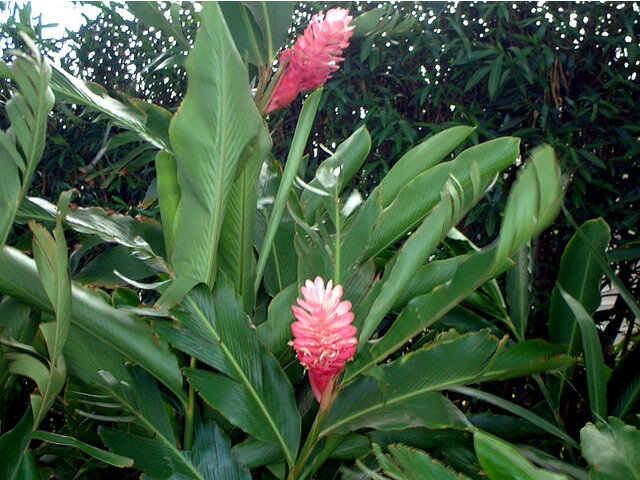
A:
{"x":336,"y":199}
{"x":308,"y":447}
{"x":188,"y":423}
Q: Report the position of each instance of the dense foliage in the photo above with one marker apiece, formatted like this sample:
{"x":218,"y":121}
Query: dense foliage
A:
{"x":543,"y":356}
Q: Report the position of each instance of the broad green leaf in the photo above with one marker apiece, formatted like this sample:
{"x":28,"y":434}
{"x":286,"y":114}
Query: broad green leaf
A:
{"x":122,"y":331}
{"x":611,"y":450}
{"x":404,"y":462}
{"x":97,"y":453}
{"x":253,"y":453}
{"x":418,"y":197}
{"x":501,"y":461}
{"x":143,"y":235}
{"x":596,"y":380}
{"x":246,"y":33}
{"x":419,"y":159}
{"x":580,"y":276}
{"x":400,"y":387}
{"x":454,"y":204}
{"x":13,"y":445}
{"x":300,"y":137}
{"x":211,"y":134}
{"x":21,"y":146}
{"x":533,"y":203}
{"x":348,"y":158}
{"x":138,"y":117}
{"x":100,"y":270}
{"x":519,"y":296}
{"x":168,"y":196}
{"x":238,"y":228}
{"x":149,"y":14}
{"x":276,"y":331}
{"x":250,"y":391}
{"x":527,"y":358}
{"x":274,"y":20}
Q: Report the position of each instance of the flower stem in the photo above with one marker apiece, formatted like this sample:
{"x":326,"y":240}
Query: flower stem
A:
{"x":309,"y":446}
{"x":188,"y":422}
{"x":336,"y":199}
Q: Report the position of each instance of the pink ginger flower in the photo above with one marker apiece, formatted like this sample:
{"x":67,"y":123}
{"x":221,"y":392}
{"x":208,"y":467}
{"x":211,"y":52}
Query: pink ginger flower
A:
{"x":314,"y":57}
{"x":324,"y":338}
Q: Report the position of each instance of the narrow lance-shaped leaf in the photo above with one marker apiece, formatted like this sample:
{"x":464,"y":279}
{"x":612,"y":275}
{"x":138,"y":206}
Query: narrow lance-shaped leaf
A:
{"x":210,"y":135}
{"x":21,"y":146}
{"x":238,"y":228}
{"x":519,"y":296}
{"x":596,"y":381}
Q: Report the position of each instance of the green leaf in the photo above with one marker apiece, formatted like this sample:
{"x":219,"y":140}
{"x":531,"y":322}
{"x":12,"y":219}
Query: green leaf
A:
{"x":418,"y":197}
{"x":538,"y":188}
{"x":13,"y":445}
{"x":348,"y":158}
{"x":211,"y":135}
{"x":501,"y":461}
{"x":100,"y":270}
{"x":519,"y":296}
{"x":122,"y":331}
{"x":533,"y":203}
{"x":596,"y":380}
{"x":97,"y":453}
{"x":21,"y":146}
{"x":274,"y":20}
{"x":623,"y":388}
{"x":580,"y":276}
{"x":246,"y":33}
{"x":419,"y":159}
{"x":454,"y":204}
{"x":405,"y":462}
{"x":611,"y":450}
{"x":143,"y":235}
{"x":276,"y":331}
{"x":238,"y":228}
{"x":168,"y":196}
{"x":139,"y":117}
{"x":250,"y":390}
{"x":494,"y":77}
{"x":149,"y":14}
{"x":527,"y":358}
{"x":401,"y":386}
{"x":524,"y":413}
{"x":300,"y":137}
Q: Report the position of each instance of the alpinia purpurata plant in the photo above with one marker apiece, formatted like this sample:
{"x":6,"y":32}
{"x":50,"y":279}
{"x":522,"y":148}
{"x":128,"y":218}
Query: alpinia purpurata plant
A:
{"x":200,"y":381}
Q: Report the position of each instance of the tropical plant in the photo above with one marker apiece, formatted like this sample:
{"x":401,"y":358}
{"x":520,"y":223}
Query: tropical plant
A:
{"x":161,"y":345}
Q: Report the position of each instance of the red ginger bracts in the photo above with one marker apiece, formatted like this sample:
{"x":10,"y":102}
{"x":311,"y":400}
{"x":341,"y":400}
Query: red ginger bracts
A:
{"x":324,"y":338}
{"x":314,"y":57}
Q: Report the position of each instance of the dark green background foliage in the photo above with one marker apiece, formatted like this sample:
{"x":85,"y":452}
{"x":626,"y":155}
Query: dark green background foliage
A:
{"x":561,"y":73}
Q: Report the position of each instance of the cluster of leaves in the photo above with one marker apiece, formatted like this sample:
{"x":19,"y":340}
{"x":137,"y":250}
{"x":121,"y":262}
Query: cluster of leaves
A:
{"x":203,"y":384}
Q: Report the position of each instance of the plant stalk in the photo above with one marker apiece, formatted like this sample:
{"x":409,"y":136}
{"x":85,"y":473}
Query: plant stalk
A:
{"x":188,"y":422}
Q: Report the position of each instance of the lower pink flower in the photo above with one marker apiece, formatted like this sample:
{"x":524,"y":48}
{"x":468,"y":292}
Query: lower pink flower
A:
{"x":324,"y":338}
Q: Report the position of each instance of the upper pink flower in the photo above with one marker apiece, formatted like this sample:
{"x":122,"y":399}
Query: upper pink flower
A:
{"x":314,"y":57}
{"x":324,"y":338}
